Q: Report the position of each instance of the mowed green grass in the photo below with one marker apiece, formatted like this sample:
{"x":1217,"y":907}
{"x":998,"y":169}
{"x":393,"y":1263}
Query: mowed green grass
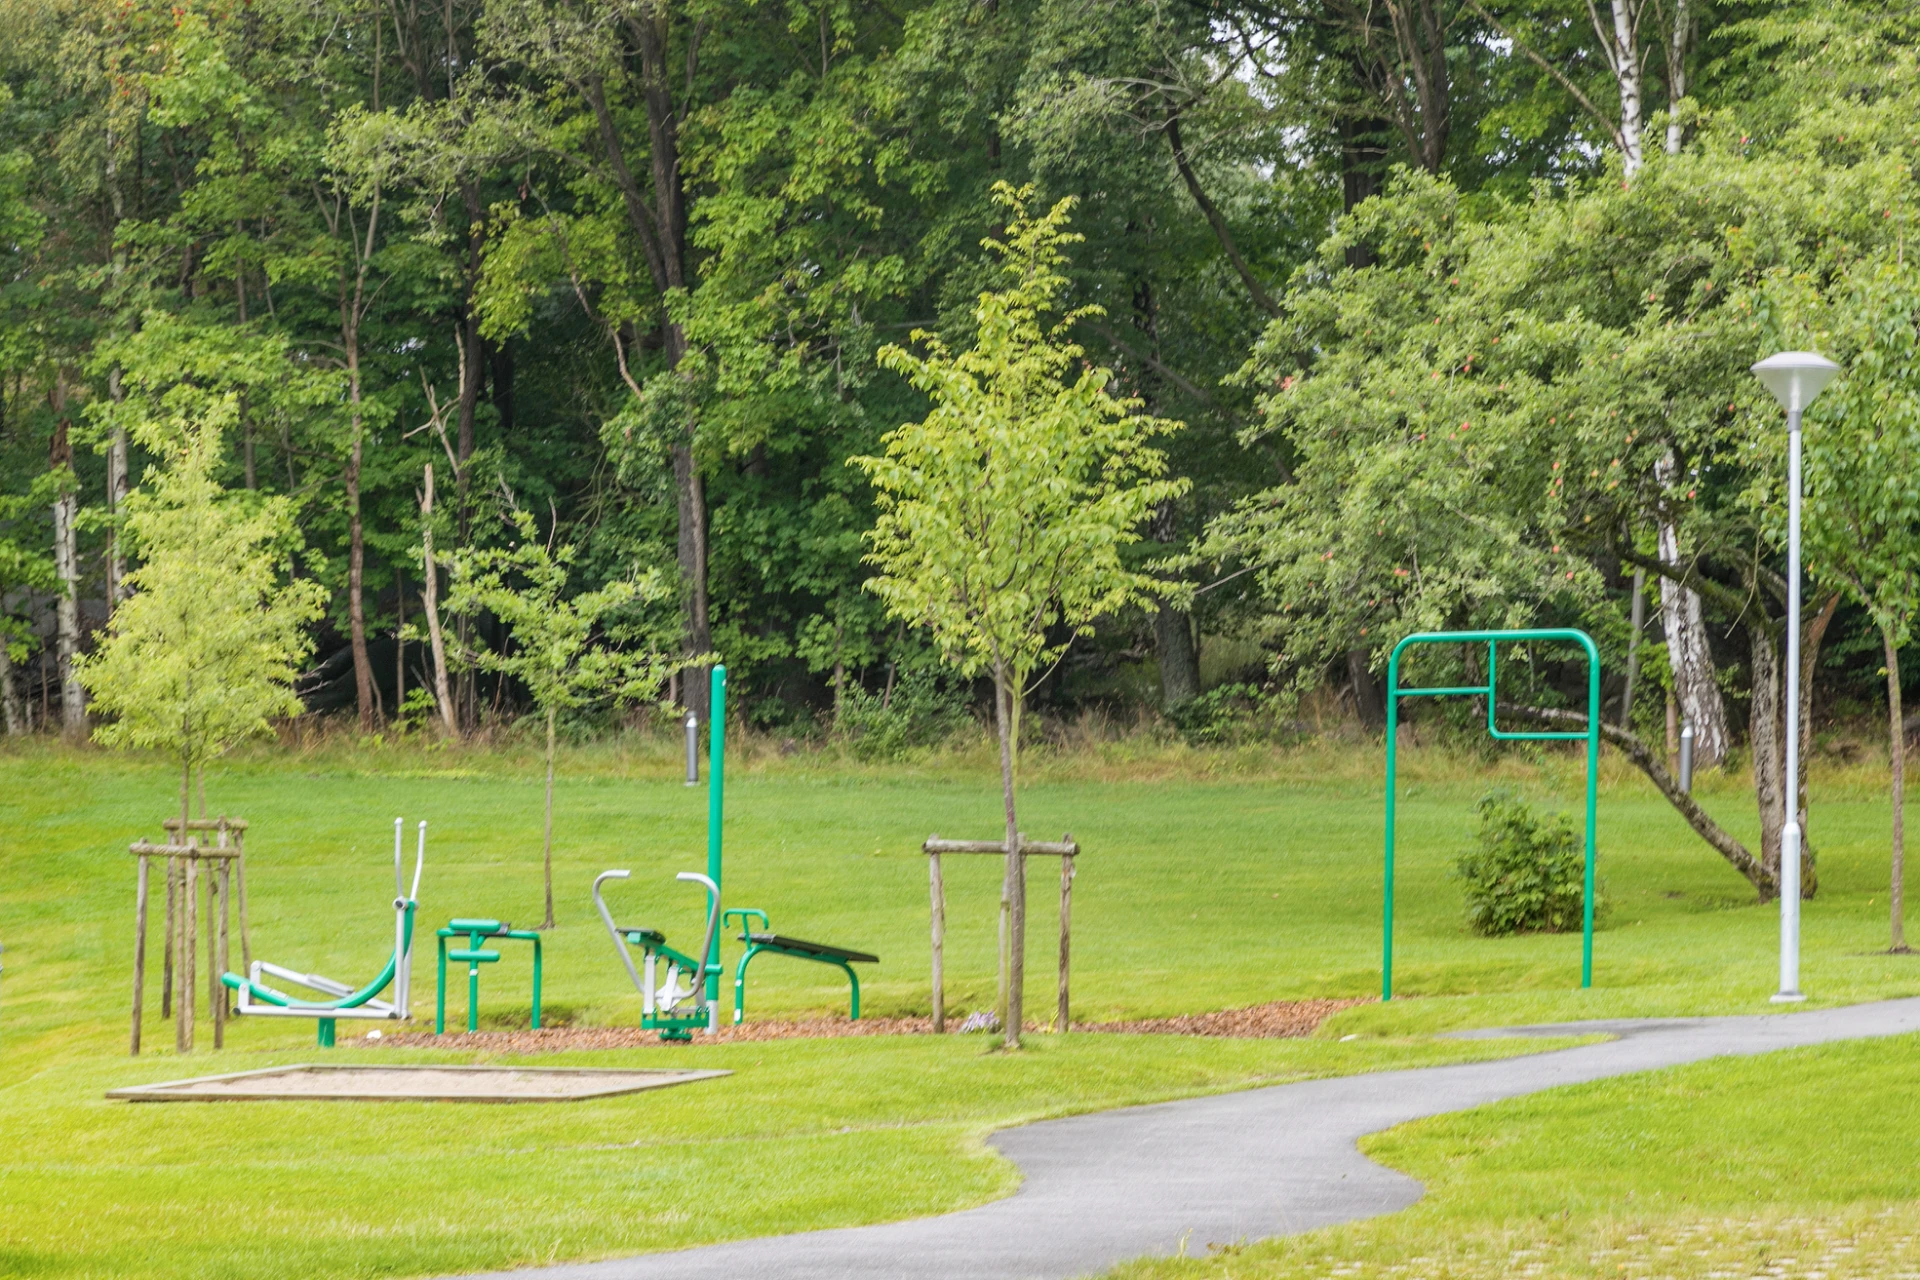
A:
{"x":1794,"y":1164}
{"x":1207,"y":882}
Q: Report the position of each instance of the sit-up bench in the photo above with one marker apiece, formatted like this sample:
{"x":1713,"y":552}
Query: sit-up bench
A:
{"x":800,"y":949}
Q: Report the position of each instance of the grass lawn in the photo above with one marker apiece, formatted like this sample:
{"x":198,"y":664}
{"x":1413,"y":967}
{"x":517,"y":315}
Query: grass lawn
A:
{"x":1208,"y":881}
{"x":1794,"y":1164}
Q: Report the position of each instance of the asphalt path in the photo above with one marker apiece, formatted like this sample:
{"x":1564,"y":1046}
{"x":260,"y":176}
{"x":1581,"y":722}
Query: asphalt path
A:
{"x":1103,"y":1188}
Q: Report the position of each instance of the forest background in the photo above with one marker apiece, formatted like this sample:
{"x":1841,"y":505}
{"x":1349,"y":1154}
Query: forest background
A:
{"x":622,"y":270}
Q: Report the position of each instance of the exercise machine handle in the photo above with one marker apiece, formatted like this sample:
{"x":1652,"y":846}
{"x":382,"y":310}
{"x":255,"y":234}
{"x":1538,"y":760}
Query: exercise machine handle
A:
{"x":707,"y":965}
{"x":613,"y":930}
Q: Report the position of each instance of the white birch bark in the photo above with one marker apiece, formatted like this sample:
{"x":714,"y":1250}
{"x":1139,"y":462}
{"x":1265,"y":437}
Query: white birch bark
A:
{"x":1687,"y":651}
{"x":66,"y":566}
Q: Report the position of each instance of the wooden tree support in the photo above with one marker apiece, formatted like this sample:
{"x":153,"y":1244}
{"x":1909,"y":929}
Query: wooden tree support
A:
{"x":225,"y":871}
{"x":1064,"y":849}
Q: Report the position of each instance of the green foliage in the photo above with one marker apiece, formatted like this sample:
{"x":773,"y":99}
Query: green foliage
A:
{"x":920,"y":711}
{"x":1525,"y":872}
{"x":1003,"y":513}
{"x":203,"y":653}
{"x":1228,"y":714}
{"x":564,"y":647}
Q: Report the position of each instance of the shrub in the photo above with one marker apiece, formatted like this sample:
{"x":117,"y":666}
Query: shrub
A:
{"x":1526,"y":871}
{"x":923,"y":710}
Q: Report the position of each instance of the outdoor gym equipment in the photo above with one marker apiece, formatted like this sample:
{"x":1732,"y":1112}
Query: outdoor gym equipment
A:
{"x":658,"y":1003}
{"x":259,"y":1000}
{"x":1489,"y":691}
{"x":473,"y":956}
{"x":799,"y":949}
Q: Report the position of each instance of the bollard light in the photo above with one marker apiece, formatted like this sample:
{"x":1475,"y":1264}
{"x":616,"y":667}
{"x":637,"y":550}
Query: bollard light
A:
{"x":693,"y":751}
{"x":1795,"y":378}
{"x":1686,"y":756}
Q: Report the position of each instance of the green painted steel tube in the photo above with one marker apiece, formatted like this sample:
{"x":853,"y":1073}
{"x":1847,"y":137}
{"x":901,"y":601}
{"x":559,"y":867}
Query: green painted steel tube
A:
{"x":716,"y":813}
{"x":536,"y":982}
{"x":1490,"y":691}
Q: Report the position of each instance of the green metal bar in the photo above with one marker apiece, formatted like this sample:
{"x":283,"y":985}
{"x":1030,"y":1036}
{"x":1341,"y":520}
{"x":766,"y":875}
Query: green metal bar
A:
{"x":473,"y":983}
{"x":716,"y":811}
{"x":1446,"y":691}
{"x":1493,"y":639}
{"x":536,"y":982}
{"x":1393,"y":741}
{"x":325,"y":1033}
{"x":440,"y":990}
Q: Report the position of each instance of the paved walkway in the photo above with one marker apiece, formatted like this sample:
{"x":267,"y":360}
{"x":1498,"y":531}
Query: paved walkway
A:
{"x":1100,"y":1189}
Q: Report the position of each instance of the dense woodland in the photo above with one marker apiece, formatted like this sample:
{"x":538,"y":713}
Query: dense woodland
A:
{"x":1455,"y":300}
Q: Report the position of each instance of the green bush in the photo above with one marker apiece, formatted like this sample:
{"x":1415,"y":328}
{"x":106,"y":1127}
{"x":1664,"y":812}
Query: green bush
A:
{"x":922,"y":710}
{"x":1526,"y":871}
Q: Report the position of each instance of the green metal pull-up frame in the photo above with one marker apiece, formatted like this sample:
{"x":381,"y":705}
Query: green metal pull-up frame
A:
{"x":1492,"y":639}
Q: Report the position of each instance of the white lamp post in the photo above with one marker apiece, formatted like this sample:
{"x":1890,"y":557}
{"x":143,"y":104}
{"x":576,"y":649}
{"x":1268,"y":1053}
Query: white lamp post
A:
{"x":1795,"y":378}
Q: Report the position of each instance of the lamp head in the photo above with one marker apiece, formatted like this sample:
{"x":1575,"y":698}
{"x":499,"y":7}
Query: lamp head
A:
{"x":1795,"y":377}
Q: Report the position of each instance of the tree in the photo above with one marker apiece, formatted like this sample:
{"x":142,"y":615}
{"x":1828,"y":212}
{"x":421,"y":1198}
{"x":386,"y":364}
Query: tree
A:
{"x":1003,"y":512}
{"x":1478,"y":414}
{"x":1862,"y":518}
{"x":562,"y":646}
{"x":203,"y":652}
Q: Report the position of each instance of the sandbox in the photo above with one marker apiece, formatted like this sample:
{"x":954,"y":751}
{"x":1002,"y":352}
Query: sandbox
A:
{"x":309,"y":1082}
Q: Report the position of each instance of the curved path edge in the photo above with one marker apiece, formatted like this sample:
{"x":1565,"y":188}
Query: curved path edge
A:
{"x":1103,"y":1188}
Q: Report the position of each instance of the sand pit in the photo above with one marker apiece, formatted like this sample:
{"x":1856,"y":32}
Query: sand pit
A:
{"x":349,"y":1083}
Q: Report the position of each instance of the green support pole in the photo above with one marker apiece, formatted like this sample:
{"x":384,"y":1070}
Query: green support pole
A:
{"x":1490,"y":691}
{"x":716,"y":809}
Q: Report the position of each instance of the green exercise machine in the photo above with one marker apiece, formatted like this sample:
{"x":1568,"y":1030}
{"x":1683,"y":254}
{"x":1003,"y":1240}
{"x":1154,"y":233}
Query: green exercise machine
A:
{"x":473,"y":955}
{"x":798,"y":949}
{"x":259,"y":1000}
{"x":680,"y":992}
{"x":662,"y":993}
{"x":1490,"y":691}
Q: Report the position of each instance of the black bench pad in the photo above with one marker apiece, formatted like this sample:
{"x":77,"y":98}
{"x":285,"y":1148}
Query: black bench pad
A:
{"x":812,"y":949}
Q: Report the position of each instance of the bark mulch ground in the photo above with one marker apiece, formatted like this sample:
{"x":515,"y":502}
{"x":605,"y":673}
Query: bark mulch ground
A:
{"x":1281,"y":1018}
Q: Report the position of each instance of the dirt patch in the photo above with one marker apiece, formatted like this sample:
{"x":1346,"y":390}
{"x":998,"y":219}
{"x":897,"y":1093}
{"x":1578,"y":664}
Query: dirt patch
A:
{"x":1276,"y":1020}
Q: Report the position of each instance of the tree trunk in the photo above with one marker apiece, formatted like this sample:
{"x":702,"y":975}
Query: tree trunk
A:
{"x":117,"y":487}
{"x":692,"y":548}
{"x":357,"y":550}
{"x":10,"y":704}
{"x":1014,"y":884}
{"x":66,"y":567}
{"x":1178,"y":656}
{"x":1625,"y":58}
{"x":1368,"y":704}
{"x":1810,"y":641}
{"x":1766,"y":734}
{"x":1688,"y":653}
{"x":442,"y":694}
{"x":546,"y":857}
{"x":1897,"y":759}
{"x":1637,"y":615}
{"x":1680,"y":35}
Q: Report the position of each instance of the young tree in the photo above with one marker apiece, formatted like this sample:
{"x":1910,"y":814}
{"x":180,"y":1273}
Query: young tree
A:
{"x":561,"y":650}
{"x":203,"y":652}
{"x":1003,"y":512}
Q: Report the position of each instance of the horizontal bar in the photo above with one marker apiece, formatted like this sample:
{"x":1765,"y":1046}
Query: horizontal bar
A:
{"x":204,"y":852}
{"x":1047,"y":848}
{"x":1554,"y":736}
{"x":1480,"y":689}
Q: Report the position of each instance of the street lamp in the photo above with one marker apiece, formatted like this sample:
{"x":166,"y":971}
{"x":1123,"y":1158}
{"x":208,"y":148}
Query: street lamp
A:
{"x":1795,"y":378}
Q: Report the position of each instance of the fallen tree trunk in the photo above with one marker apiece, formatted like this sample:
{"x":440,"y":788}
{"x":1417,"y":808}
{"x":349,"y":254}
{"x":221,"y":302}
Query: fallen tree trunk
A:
{"x":1736,"y":854}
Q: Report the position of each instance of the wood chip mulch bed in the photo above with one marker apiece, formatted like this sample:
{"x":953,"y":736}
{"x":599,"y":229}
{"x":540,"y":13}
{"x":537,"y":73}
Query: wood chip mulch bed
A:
{"x":1279,"y":1019}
